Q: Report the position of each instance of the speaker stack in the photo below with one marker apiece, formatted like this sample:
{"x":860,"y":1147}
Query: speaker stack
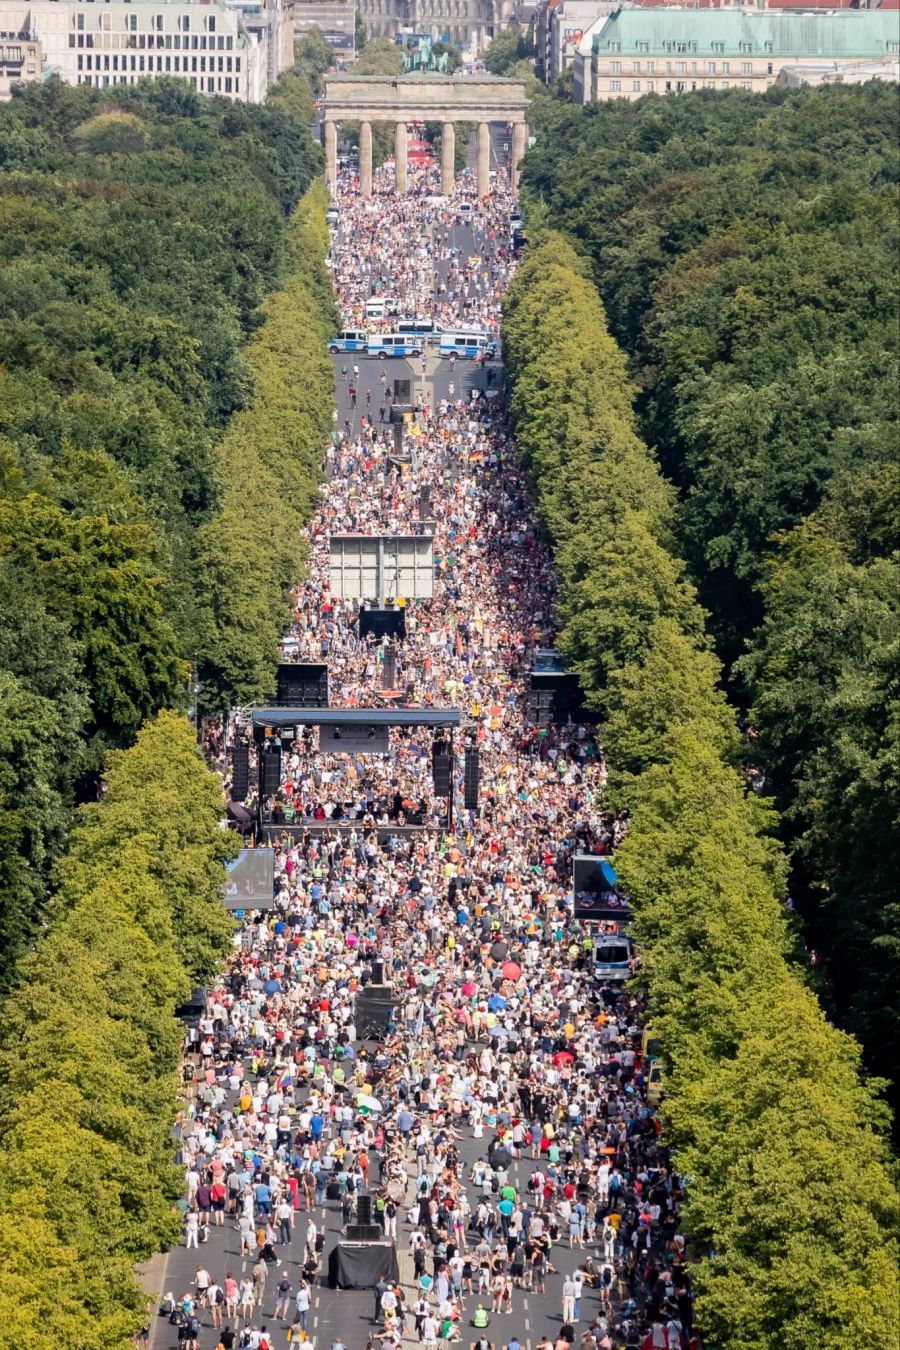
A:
{"x":441,"y":769}
{"x":269,"y":772}
{"x":389,"y":669}
{"x":240,"y":772}
{"x":471,"y":779}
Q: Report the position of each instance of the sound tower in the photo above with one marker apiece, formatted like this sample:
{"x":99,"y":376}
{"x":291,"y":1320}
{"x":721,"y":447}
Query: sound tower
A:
{"x":441,"y":768}
{"x":240,"y":772}
{"x":471,"y":779}
{"x":269,"y":772}
{"x":364,"y":1209}
{"x":389,"y":669}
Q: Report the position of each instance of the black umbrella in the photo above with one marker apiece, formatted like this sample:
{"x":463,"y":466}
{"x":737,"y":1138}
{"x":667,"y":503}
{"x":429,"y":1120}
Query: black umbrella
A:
{"x":501,"y":1157}
{"x":499,"y":950}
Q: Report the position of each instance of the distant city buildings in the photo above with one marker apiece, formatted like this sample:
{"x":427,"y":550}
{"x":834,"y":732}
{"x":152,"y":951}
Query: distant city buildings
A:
{"x":235,"y":49}
{"x":641,"y":50}
{"x":468,"y":24}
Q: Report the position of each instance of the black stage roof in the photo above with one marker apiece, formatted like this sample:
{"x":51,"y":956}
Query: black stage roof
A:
{"x":360,"y":717}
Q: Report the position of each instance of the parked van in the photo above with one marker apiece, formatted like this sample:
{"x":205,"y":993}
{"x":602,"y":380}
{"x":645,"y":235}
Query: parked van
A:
{"x":653,"y":1085}
{"x":466,"y":344}
{"x":349,"y":340}
{"x":332,"y":216}
{"x":394,"y":344}
{"x":380,"y":307}
{"x":426,"y":329}
{"x":612,"y":956}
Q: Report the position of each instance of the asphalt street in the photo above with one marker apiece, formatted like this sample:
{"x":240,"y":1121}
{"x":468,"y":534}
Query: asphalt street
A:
{"x":348,"y":1316}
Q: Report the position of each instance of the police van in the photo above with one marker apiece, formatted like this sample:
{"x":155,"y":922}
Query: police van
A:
{"x":380,"y":307}
{"x":394,"y":344}
{"x":349,"y":340}
{"x":467,"y":344}
{"x":425,"y":329}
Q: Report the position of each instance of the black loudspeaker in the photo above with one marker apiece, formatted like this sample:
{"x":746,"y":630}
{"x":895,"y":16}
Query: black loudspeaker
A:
{"x":373,"y":1017}
{"x":363,"y":1209}
{"x":240,"y":772}
{"x":471,"y":780}
{"x":425,"y":504}
{"x":378,"y":972}
{"x":363,"y":1232}
{"x":302,"y":685}
{"x":389,"y":669}
{"x":269,"y":772}
{"x":441,"y":769}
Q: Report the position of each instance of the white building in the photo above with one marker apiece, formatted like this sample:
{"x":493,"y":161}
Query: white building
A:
{"x":839,"y":72}
{"x":567,"y":23}
{"x":114,"y":42}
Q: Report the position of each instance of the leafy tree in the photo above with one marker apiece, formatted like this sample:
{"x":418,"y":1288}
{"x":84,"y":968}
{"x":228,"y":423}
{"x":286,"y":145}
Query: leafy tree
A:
{"x":380,"y":57}
{"x":313,"y":57}
{"x":508,"y":46}
{"x":360,"y":37}
{"x":745,"y":250}
{"x":789,"y":1200}
{"x":90,"y":1046}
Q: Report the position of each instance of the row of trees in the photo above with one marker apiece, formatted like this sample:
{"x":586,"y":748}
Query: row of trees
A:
{"x":745,"y":248}
{"x":248,"y":555}
{"x":89,"y":1047}
{"x":789,"y":1205}
{"x":140,"y":231}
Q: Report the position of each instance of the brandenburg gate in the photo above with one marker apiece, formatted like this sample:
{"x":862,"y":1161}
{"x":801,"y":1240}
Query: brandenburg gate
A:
{"x":447,"y":99}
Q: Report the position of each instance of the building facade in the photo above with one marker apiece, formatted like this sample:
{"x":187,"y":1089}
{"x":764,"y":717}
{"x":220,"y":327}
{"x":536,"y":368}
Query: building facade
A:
{"x":116,"y":42}
{"x":673,"y":51}
{"x":468,"y":24}
{"x":21,"y":58}
{"x":567,"y":23}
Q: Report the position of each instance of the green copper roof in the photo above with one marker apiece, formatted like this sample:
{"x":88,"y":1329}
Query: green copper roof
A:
{"x":844,"y":32}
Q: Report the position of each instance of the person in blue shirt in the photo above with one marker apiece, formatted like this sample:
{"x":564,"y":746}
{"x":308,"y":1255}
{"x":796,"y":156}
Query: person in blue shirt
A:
{"x":263,"y":1197}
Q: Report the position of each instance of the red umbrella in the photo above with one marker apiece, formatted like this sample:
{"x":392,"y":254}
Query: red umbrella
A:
{"x":563,"y":1057}
{"x":468,"y":989}
{"x":510,"y":970}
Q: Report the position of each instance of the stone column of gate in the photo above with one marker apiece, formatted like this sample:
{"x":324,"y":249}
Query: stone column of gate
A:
{"x":400,"y":175}
{"x":519,"y":142}
{"x":329,"y":132}
{"x":365,"y":159}
{"x":483,"y":160}
{"x":448,"y":157}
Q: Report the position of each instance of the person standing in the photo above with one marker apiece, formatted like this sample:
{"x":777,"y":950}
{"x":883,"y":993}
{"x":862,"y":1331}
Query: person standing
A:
{"x":568,"y":1299}
{"x":282,"y":1298}
{"x":302,"y":1302}
{"x":284,"y":1213}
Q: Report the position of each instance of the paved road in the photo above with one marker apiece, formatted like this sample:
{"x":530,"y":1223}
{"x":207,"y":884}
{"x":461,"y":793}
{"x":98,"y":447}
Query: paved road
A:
{"x":347,"y":1316}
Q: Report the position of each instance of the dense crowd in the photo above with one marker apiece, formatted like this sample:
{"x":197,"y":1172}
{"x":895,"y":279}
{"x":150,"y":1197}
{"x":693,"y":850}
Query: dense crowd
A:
{"x":501,"y":1127}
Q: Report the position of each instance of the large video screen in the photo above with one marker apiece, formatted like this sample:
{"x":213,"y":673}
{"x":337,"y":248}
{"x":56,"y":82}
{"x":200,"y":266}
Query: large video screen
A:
{"x":250,"y":880}
{"x":594,"y":886}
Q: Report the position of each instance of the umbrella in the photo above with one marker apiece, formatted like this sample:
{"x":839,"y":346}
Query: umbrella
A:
{"x":500,"y":1157}
{"x":371,"y":1103}
{"x":563,"y":1057}
{"x":499,"y":950}
{"x":496,"y":1003}
{"x":272,"y":987}
{"x":510,"y":970}
{"x":468,"y":989}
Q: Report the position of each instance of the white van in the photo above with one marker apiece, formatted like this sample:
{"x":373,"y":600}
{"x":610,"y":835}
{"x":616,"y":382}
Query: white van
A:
{"x":426,"y":329}
{"x":466,"y":344}
{"x":349,"y":340}
{"x":394,"y":344}
{"x":380,"y":307}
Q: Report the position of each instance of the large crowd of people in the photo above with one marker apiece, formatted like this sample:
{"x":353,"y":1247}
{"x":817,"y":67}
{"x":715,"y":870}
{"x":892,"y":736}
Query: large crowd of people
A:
{"x":500,"y":1127}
